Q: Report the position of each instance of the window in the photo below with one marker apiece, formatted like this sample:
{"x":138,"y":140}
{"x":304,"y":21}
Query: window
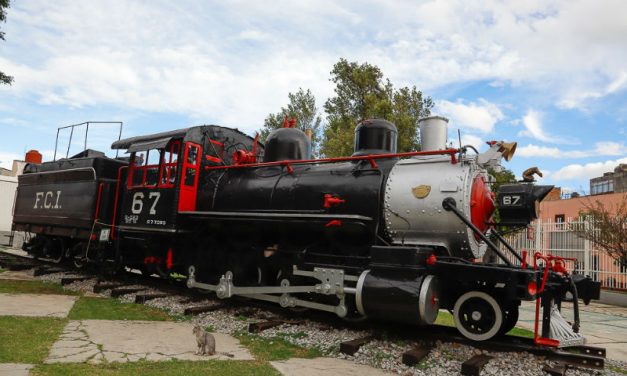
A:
{"x":559,"y":218}
{"x":145,"y":168}
{"x":169,"y":167}
{"x":191,"y":165}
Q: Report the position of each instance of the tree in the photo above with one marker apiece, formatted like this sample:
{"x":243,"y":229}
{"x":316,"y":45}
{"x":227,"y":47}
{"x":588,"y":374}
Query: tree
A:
{"x":361,"y":92}
{"x":504,"y":177}
{"x":4,"y":79}
{"x":302,"y":106}
{"x":607,"y":227}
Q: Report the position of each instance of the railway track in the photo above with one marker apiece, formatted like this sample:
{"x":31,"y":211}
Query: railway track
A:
{"x":147,"y":288}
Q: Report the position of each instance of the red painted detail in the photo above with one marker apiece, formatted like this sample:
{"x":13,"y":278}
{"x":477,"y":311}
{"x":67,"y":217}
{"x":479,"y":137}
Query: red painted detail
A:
{"x":214,"y":159}
{"x":524,"y":259}
{"x":189,"y":177}
{"x":244,"y":157}
{"x":115,"y":202}
{"x":450,"y":152}
{"x":289,"y":123}
{"x":532,"y":288}
{"x":331,"y":201}
{"x":92,"y":237}
{"x":431,"y":260}
{"x":168,"y":260}
{"x":373,"y":163}
{"x":481,"y":205}
{"x":98,"y":201}
{"x":152,"y":260}
{"x":33,"y":156}
{"x":334,"y":223}
{"x":289,"y":168}
{"x":491,"y":143}
{"x":434,"y":300}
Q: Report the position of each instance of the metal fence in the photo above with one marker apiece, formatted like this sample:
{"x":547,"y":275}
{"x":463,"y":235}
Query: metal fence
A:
{"x":562,"y":239}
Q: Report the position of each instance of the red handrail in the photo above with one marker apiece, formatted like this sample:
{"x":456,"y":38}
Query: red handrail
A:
{"x":369,"y":158}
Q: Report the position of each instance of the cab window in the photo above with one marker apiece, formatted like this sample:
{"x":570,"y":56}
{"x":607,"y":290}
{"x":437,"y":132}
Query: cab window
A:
{"x":169,"y":170}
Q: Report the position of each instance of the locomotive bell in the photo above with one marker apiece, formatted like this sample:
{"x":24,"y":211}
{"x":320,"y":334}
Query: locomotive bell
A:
{"x":508,"y":149}
{"x":375,"y":136}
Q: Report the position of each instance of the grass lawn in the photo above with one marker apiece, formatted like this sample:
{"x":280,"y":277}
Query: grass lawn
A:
{"x":276,"y":348}
{"x":88,"y":308}
{"x":32,"y":287}
{"x":210,"y":367}
{"x":27,"y":339}
{"x":446,"y":319}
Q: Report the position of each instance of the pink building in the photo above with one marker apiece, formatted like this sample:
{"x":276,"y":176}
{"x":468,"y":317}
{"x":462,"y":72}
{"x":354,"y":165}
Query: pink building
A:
{"x":553,"y":209}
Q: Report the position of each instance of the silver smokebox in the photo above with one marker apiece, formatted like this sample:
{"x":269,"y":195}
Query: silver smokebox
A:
{"x":433,"y":133}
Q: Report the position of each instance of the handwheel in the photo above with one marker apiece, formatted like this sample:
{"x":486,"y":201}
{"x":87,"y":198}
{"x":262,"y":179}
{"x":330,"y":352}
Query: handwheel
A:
{"x":477,"y":316}
{"x":510,"y":318}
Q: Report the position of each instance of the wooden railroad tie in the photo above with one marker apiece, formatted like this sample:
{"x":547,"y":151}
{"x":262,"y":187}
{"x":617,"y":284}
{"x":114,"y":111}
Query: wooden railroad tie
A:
{"x":100,"y":287}
{"x":119,"y":291}
{"x":68,"y":280}
{"x":351,"y":347}
{"x":17,"y":266}
{"x":415,"y":355}
{"x":143,"y":298}
{"x":557,"y":370}
{"x":474,"y":365}
{"x":191,"y":311}
{"x":43,"y":270}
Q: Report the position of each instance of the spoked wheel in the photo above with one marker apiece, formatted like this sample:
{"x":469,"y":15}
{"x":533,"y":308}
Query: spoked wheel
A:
{"x":477,"y":316}
{"x":510,"y":318}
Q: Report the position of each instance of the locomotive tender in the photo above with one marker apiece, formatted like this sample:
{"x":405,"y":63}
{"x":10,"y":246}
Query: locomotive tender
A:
{"x":379,"y":234}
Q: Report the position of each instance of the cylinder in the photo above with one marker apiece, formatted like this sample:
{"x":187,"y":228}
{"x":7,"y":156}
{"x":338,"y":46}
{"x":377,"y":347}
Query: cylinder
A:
{"x":33,"y":156}
{"x":375,"y":136}
{"x":433,"y":131}
{"x":411,"y":298}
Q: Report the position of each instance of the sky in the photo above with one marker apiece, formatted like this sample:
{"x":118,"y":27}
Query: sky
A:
{"x":551,"y":75}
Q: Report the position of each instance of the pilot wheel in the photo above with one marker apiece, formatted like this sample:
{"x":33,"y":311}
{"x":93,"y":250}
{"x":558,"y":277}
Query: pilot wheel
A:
{"x":477,"y":316}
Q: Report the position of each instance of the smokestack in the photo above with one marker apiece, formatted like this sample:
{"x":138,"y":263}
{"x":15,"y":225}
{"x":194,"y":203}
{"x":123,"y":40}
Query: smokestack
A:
{"x":433,"y":133}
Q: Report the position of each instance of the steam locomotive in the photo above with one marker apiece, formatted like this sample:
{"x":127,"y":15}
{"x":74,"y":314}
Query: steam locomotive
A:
{"x":379,"y":234}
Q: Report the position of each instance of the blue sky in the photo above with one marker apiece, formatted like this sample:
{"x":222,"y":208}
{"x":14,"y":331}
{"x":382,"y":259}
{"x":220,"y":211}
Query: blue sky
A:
{"x":551,"y":75}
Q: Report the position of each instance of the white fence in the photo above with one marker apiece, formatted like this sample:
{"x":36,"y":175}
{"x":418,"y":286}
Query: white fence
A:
{"x":561,"y":239}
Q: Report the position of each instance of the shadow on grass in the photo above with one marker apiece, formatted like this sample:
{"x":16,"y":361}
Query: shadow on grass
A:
{"x":89,"y":308}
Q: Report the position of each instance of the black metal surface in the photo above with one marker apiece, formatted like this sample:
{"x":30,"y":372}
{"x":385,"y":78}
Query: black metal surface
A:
{"x":517,"y":202}
{"x":287,"y":144}
{"x":392,"y":297}
{"x":375,"y":136}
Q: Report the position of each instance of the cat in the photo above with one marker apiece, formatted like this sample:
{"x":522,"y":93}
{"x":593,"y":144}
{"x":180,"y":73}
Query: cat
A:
{"x":206,"y":343}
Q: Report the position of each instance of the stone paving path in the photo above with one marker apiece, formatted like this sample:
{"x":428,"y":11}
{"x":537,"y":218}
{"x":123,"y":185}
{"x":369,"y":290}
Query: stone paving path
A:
{"x":601,"y":324}
{"x":96,"y":341}
{"x":14,"y":369}
{"x":36,"y":305}
{"x":325,"y":367}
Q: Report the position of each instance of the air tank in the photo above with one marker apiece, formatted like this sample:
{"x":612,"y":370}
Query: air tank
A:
{"x":287,"y":144}
{"x":433,"y":130}
{"x":375,"y":136}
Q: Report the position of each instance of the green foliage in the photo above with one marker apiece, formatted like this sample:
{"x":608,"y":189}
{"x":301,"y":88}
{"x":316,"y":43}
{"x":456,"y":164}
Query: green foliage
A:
{"x":4,"y":4}
{"x":504,"y":177}
{"x":276,"y":348}
{"x":175,"y":367}
{"x":27,"y":339}
{"x":607,"y":227}
{"x":302,"y":106}
{"x":87,"y":308}
{"x":361,"y":92}
{"x":33,"y":287}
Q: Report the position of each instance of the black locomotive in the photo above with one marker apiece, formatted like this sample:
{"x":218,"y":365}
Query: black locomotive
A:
{"x":379,"y":234}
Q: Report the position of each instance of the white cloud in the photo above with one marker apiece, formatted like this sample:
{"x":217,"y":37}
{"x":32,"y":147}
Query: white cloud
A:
{"x":7,"y":158}
{"x":480,"y":116}
{"x":533,"y":127}
{"x":234,"y":62}
{"x":601,"y":149}
{"x":586,"y":171}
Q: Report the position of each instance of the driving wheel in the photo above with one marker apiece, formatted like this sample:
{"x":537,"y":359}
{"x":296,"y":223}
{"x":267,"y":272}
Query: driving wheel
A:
{"x":477,"y":316}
